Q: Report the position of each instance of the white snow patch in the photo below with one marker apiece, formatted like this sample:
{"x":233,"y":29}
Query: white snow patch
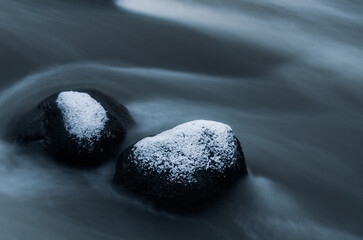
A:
{"x":84,"y":117}
{"x":187,"y":148}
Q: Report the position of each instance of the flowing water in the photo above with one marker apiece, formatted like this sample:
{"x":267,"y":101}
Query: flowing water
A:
{"x":285,"y":74}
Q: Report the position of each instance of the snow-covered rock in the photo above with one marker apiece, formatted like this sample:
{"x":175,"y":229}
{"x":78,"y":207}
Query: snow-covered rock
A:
{"x":84,"y":118}
{"x":82,"y":128}
{"x":184,"y":166}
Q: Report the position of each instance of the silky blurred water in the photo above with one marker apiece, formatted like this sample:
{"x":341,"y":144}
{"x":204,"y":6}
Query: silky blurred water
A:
{"x":285,"y":75}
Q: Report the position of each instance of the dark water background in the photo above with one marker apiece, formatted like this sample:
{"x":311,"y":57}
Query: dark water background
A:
{"x":286,"y":75}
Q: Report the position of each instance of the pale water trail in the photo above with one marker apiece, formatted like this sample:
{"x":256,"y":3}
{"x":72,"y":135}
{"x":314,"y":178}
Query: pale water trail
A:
{"x":318,"y":32}
{"x":293,"y":98}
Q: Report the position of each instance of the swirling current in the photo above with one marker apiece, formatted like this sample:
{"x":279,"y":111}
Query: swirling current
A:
{"x":285,"y":75}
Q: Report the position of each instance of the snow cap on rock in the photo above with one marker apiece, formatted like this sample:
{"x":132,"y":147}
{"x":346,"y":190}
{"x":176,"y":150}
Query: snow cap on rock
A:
{"x":184,"y":150}
{"x":83,"y":116}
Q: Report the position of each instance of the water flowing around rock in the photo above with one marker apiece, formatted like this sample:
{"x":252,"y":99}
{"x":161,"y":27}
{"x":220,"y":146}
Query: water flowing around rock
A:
{"x":286,"y":75}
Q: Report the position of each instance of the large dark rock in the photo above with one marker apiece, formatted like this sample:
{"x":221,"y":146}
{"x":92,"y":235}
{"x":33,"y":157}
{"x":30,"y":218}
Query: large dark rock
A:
{"x":81,"y":128}
{"x":183,"y":167}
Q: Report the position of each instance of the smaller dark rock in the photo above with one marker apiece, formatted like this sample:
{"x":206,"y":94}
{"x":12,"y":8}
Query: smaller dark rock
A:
{"x":80,"y":128}
{"x":183,"y":167}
